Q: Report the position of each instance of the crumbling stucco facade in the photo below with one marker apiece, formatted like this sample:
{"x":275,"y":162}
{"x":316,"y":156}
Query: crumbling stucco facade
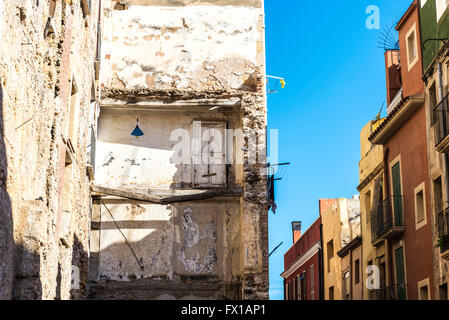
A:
{"x":165,"y":226}
{"x":47,"y":99}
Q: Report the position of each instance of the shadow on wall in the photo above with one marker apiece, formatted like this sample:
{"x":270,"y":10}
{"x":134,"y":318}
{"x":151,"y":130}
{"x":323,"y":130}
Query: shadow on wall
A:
{"x":79,"y":277}
{"x":19,"y":266}
{"x":126,"y":269}
{"x":6,"y":225}
{"x":157,"y":159}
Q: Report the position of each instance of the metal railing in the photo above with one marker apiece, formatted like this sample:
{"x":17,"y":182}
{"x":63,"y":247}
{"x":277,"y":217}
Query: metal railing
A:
{"x":443,"y":229}
{"x":383,"y":293}
{"x":389,"y":214}
{"x":443,"y":222}
{"x":392,"y":292}
{"x":441,"y":120}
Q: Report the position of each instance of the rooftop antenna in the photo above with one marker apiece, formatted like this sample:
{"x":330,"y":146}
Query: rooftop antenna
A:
{"x":380,"y":112}
{"x":389,"y":38}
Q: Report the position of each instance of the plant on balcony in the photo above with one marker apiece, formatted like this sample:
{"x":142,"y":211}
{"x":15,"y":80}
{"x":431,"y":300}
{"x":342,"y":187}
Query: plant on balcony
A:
{"x":443,"y":242}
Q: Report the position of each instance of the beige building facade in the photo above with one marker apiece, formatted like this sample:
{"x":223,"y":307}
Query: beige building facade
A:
{"x":341,"y":238}
{"x":436,"y":81}
{"x":48,"y":101}
{"x":181,"y":201}
{"x":371,"y":195}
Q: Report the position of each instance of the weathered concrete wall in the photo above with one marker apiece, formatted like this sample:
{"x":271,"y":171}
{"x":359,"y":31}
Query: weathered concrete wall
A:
{"x":349,"y":220}
{"x":152,"y":161}
{"x":370,"y":176}
{"x":438,"y":201}
{"x":174,"y":242}
{"x":167,"y":62}
{"x":341,"y":224}
{"x":188,"y":48}
{"x":46,"y":229}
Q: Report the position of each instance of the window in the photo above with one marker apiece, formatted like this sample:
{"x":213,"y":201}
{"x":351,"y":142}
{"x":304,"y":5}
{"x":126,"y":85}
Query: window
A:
{"x":303,"y":284}
{"x":412,"y":47}
{"x":330,"y":254}
{"x":420,"y":206}
{"x":397,"y":194}
{"x":331,"y":293}
{"x":295,"y":289}
{"x":424,"y":293}
{"x":423,"y":290}
{"x":419,"y":198}
{"x":368,"y":206}
{"x":209,"y":154}
{"x":346,"y":285}
{"x":400,"y":274}
{"x":357,"y":271}
{"x":438,"y":195}
{"x":433,"y":101}
{"x":312,"y":282}
{"x":443,"y":292}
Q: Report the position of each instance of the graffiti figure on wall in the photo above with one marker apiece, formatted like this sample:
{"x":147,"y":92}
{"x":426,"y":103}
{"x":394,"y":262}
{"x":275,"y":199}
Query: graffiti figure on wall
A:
{"x":193,"y":236}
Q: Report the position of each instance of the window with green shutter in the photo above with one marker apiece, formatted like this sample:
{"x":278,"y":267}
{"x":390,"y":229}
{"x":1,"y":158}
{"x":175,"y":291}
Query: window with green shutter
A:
{"x":397,"y":194}
{"x":400,"y":274}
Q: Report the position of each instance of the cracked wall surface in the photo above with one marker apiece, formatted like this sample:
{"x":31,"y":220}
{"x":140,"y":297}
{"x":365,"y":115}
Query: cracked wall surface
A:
{"x":45,"y":203}
{"x":169,"y":64}
{"x":187,"y":48}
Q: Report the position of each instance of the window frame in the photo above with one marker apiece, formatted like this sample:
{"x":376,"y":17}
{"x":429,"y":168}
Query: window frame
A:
{"x":420,"y":223}
{"x":357,"y":271}
{"x":411,"y":61}
{"x":422,"y":284}
{"x":224,"y":151}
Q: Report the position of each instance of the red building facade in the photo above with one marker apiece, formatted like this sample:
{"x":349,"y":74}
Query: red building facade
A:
{"x":303,"y":266}
{"x":402,"y":221}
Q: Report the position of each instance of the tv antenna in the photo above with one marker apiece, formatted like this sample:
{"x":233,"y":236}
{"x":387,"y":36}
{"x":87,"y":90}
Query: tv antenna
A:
{"x":380,"y":112}
{"x":389,"y":38}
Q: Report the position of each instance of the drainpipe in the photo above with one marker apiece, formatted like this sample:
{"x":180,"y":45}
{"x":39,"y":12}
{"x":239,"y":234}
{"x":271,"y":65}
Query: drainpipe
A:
{"x":445,"y":155}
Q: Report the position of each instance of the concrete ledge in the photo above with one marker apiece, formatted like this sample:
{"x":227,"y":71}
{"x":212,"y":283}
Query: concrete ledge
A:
{"x":163,"y":196}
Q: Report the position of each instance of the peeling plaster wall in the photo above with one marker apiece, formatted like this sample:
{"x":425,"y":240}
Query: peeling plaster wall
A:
{"x":172,"y":242}
{"x":149,"y":161}
{"x":180,"y":52}
{"x":192,"y":47}
{"x":43,"y":239}
{"x":350,"y":220}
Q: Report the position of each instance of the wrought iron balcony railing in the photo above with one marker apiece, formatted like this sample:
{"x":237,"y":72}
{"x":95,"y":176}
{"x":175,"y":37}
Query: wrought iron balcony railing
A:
{"x":441,"y":120}
{"x":383,"y":293}
{"x":387,"y":219}
{"x":443,"y":229}
{"x":393,"y":292}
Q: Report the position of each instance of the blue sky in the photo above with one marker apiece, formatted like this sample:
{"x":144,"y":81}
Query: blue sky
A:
{"x":335,"y":84}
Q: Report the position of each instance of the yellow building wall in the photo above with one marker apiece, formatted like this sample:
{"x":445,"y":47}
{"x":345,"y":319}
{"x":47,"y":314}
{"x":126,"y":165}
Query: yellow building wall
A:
{"x":332,"y":267}
{"x":370,"y":173}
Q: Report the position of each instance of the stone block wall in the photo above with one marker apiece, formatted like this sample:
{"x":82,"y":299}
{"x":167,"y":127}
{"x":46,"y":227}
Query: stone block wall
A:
{"x":47,"y":58}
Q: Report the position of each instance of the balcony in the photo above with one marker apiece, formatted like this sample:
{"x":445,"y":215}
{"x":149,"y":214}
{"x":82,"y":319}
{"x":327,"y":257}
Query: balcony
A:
{"x":387,"y":220}
{"x":441,"y":126}
{"x":443,"y":233}
{"x":393,"y":292}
